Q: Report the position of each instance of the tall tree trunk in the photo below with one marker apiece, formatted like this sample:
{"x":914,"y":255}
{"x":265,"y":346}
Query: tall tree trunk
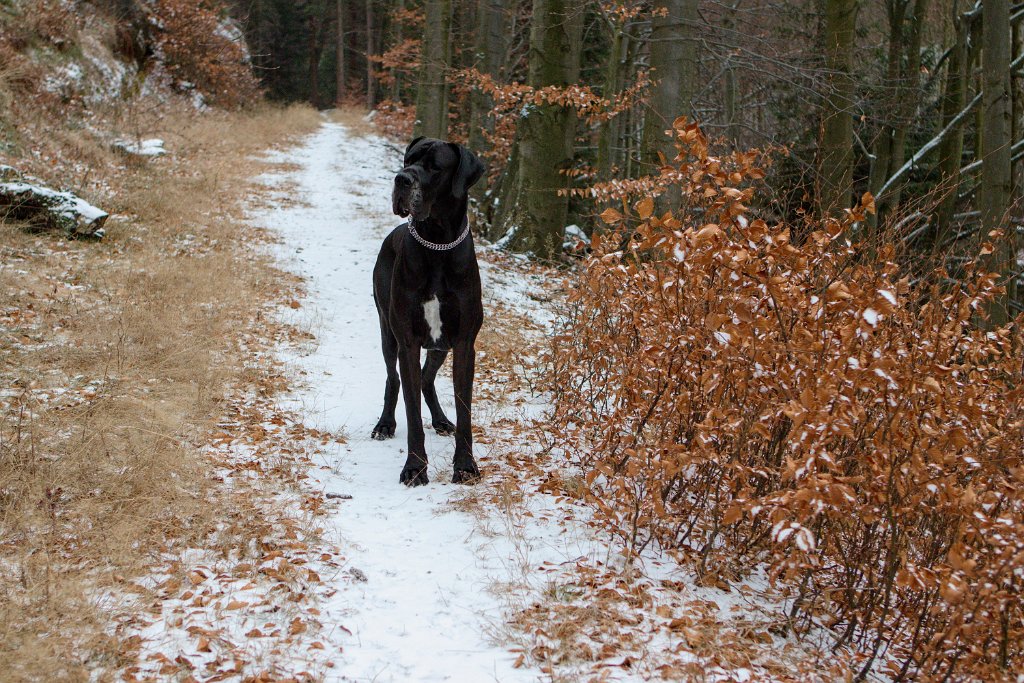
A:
{"x":904,"y":82}
{"x":432,"y":94}
{"x":729,"y":87}
{"x":909,"y":96}
{"x":630,"y":127}
{"x":340,"y":75}
{"x":608,"y":133}
{"x":396,"y":87}
{"x":674,"y":65}
{"x":371,"y":50}
{"x":546,"y":133}
{"x":506,"y":189}
{"x":489,"y":48}
{"x":1017,"y":82}
{"x":954,"y":99}
{"x":996,"y":182}
{"x":316,"y":50}
{"x":835,"y":159}
{"x":882,"y":148}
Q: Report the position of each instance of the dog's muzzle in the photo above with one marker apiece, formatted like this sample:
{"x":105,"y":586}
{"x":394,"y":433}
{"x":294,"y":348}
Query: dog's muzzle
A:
{"x":407,"y":196}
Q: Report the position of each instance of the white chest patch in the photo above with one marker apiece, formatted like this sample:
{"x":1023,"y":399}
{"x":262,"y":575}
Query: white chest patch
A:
{"x":432,"y":314}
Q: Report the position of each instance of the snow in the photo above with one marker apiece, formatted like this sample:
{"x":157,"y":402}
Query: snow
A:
{"x":505,"y":240}
{"x":153,"y":147}
{"x":574,"y":238}
{"x":65,"y":78}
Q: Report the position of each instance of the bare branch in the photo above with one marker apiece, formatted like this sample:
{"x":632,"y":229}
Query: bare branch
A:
{"x":929,"y":146}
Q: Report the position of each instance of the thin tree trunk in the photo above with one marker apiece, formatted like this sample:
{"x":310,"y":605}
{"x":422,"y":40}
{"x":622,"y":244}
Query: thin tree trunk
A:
{"x":371,"y":50}
{"x":608,"y":131}
{"x":432,"y":95}
{"x":316,"y":49}
{"x":340,"y":74}
{"x":489,"y":48}
{"x":731,"y":93}
{"x":909,"y":95}
{"x":630,"y":127}
{"x":954,"y":98}
{"x":910,"y":82}
{"x":497,"y":36}
{"x":996,"y":183}
{"x":396,"y":87}
{"x":882,"y":148}
{"x":903,"y":81}
{"x":835,"y":163}
{"x":1017,"y":81}
{"x":979,"y":114}
{"x":507,"y":191}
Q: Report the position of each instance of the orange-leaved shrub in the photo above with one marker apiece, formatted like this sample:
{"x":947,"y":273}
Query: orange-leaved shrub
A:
{"x":395,"y":120}
{"x":741,"y":397}
{"x":201,"y":47}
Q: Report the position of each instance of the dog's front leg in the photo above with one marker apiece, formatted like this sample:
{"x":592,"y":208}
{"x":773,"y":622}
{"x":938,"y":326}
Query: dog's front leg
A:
{"x":464,"y":363}
{"x":415,"y":471}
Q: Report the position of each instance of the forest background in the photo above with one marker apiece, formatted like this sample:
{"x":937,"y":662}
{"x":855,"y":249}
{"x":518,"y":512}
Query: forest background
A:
{"x":896,"y":98}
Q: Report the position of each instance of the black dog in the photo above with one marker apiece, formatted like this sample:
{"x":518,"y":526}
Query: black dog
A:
{"x":426,"y":285}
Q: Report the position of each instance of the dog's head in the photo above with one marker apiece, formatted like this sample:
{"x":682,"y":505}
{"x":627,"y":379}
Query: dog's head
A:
{"x":434,"y":171}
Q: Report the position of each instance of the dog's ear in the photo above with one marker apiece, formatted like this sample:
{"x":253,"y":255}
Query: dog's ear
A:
{"x":412,"y":144}
{"x":469,"y":171}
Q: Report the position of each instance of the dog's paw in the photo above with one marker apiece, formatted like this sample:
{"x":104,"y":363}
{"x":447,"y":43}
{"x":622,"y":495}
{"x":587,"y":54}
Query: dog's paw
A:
{"x":414,"y":476}
{"x":443,"y":427}
{"x":383,"y":430}
{"x":466,"y":474}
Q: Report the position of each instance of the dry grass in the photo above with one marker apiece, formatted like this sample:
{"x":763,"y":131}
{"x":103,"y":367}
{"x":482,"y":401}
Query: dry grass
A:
{"x":118,"y":354}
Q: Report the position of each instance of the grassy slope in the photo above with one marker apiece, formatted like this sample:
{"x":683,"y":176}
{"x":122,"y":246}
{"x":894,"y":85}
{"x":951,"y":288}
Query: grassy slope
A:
{"x":114,"y":356}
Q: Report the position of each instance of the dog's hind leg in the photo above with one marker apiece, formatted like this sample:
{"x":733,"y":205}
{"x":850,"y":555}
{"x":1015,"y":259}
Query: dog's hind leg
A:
{"x":385,"y":428}
{"x":441,"y":424}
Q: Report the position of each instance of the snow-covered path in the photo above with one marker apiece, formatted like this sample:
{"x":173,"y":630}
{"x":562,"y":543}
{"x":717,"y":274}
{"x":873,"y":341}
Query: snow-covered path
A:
{"x":424,"y":609}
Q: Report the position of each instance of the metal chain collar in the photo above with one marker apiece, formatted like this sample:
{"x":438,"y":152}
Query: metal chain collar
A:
{"x":434,"y":245}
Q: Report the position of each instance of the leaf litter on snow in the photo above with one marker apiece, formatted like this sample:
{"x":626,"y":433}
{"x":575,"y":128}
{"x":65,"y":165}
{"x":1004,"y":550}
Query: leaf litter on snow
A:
{"x":244,"y":606}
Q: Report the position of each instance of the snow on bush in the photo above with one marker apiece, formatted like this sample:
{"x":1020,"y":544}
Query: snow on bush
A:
{"x":737,"y":396}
